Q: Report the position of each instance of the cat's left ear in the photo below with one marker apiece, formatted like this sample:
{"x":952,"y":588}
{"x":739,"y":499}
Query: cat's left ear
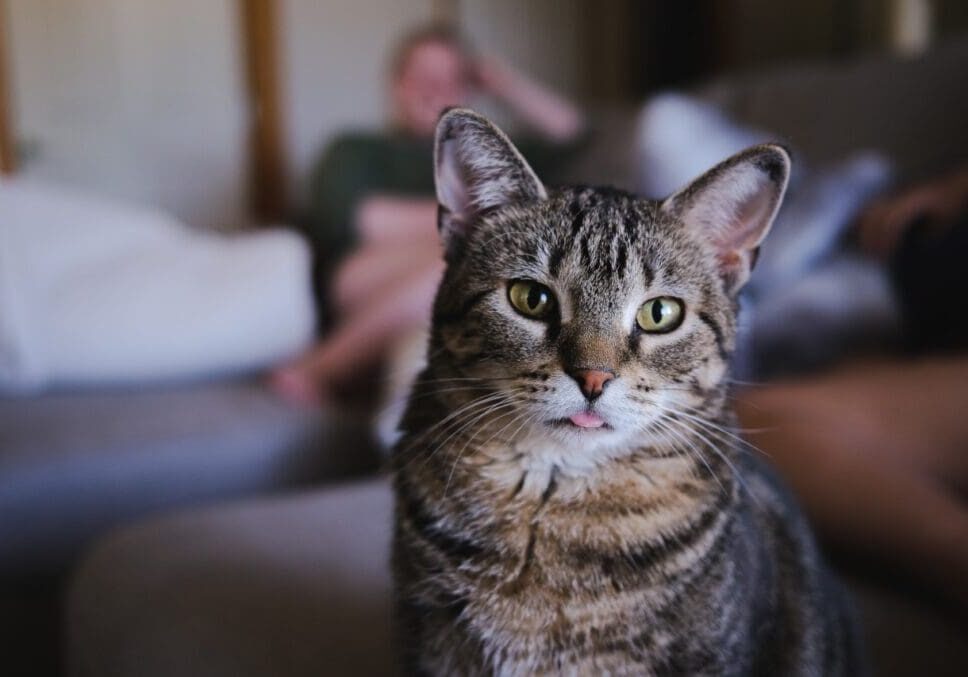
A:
{"x":476,"y":169}
{"x":733,"y":205}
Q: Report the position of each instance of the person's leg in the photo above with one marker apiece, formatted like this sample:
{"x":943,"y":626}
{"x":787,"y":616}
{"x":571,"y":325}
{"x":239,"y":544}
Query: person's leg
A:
{"x":913,"y":412}
{"x":873,"y":453}
{"x":373,"y":269}
{"x":363,"y":339}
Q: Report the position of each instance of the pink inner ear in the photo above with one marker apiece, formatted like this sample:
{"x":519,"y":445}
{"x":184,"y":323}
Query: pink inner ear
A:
{"x":748,"y":225}
{"x":451,"y":187}
{"x":729,"y":259}
{"x":740,"y":238}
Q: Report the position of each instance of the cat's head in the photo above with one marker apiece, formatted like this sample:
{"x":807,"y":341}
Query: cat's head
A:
{"x":593,"y":314}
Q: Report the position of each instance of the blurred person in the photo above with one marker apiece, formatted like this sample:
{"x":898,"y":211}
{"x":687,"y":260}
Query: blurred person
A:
{"x":373,"y":213}
{"x":878,"y":452}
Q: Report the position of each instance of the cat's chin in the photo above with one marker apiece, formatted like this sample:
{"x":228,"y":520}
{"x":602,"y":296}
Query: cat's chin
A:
{"x":570,"y":436}
{"x":574,"y":451}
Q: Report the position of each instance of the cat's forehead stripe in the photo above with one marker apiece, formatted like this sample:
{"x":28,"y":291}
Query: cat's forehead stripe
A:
{"x":602,"y":234}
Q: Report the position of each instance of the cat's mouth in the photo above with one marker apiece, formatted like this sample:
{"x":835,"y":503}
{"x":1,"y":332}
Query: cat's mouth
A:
{"x":586,"y":420}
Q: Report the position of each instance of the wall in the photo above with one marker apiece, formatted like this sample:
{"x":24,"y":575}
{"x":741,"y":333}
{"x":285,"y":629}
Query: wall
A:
{"x":137,"y":99}
{"x":540,"y":37}
{"x":765,"y":31}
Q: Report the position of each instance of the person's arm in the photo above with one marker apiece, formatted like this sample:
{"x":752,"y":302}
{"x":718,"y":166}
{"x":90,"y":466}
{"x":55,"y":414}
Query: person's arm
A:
{"x":388,"y":219}
{"x":362,"y":340}
{"x":876,"y":455}
{"x":370,"y":271}
{"x":547,"y":112}
{"x":937,"y":203}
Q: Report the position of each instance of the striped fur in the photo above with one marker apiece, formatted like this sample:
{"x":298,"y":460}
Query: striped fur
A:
{"x":654,"y":545}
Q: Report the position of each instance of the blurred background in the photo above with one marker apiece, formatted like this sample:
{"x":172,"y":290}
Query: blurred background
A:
{"x":178,"y":301}
{"x":125,"y":97}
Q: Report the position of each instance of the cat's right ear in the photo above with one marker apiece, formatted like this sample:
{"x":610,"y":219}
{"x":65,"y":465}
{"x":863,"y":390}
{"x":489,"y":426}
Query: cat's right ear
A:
{"x":476,"y":169}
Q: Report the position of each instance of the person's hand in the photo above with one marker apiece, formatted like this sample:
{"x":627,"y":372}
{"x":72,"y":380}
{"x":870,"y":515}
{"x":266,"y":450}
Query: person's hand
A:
{"x":547,"y":112}
{"x":935,"y":204}
{"x":491,"y":75}
{"x":297,"y":384}
{"x":395,"y":220}
{"x":395,"y":295}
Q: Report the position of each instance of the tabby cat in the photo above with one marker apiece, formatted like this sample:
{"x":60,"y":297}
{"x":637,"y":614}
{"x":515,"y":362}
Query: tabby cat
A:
{"x":571,"y":497}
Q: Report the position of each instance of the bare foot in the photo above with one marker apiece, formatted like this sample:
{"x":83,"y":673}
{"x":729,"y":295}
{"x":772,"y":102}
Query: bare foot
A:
{"x":296,"y":385}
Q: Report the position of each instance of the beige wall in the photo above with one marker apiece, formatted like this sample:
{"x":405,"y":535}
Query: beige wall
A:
{"x":137,"y":99}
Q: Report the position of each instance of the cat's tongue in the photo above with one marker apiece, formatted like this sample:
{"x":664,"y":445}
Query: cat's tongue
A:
{"x":587,"y":419}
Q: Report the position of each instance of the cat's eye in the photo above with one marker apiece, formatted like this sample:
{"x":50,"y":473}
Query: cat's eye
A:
{"x":531,"y":299}
{"x":660,"y":315}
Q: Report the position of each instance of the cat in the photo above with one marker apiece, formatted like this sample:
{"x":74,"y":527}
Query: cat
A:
{"x":571,"y":497}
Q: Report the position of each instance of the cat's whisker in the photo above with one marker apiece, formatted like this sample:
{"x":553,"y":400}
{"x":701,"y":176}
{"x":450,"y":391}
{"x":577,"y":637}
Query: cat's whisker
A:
{"x":709,"y":425}
{"x":737,"y":434}
{"x":450,"y":419}
{"x":524,"y":417}
{"x":694,"y":448}
{"x":459,"y":417}
{"x":698,"y":421}
{"x":434,"y":393}
{"x":740,"y":382}
{"x":701,"y":417}
{"x":716,"y":450}
{"x":475,"y":418}
{"x":663,"y":428}
{"x":526,"y":422}
{"x":388,"y":377}
{"x":489,"y":406}
{"x":514,"y":413}
{"x":508,"y":425}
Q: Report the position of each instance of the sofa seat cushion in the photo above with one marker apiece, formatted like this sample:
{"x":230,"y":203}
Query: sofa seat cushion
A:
{"x":74,"y":464}
{"x":286,"y":586}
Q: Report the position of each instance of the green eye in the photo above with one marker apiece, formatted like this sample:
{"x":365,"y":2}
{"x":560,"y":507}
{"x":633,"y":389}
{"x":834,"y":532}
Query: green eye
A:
{"x":531,"y":299}
{"x":660,"y":315}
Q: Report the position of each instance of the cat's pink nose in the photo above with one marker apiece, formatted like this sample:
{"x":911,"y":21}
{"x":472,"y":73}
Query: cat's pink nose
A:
{"x":591,"y":381}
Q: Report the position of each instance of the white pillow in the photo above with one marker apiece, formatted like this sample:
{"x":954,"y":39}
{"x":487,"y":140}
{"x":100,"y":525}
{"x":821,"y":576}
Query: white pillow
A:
{"x":94,"y":292}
